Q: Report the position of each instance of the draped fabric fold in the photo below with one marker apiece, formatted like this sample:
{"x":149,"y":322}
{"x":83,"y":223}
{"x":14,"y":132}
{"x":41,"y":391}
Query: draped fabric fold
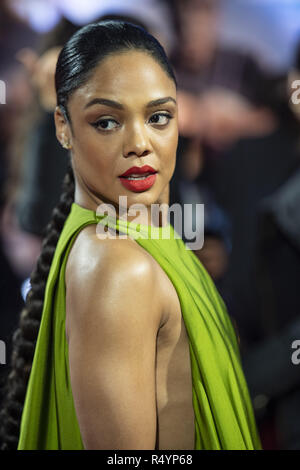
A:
{"x":223,"y":411}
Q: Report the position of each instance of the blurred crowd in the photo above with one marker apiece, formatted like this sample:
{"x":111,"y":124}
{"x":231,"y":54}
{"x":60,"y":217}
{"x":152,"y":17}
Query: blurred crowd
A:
{"x":238,"y":154}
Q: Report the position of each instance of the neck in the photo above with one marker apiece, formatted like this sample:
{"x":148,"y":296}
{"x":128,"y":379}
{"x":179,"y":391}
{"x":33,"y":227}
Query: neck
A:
{"x":153,"y":214}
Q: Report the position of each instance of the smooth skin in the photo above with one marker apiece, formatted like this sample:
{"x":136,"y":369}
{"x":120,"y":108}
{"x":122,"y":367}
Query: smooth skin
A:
{"x":107,"y":140}
{"x":116,"y":292}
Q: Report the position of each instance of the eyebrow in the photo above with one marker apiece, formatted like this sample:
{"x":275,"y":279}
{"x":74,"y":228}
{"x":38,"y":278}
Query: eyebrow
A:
{"x":115,"y":104}
{"x":160,"y":101}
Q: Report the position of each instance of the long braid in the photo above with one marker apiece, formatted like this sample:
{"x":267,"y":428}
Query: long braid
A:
{"x":24,"y":338}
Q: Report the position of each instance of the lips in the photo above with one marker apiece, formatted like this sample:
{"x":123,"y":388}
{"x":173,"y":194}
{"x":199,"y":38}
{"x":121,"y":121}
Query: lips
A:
{"x":138,"y":185}
{"x":138,"y":179}
{"x":145,"y":170}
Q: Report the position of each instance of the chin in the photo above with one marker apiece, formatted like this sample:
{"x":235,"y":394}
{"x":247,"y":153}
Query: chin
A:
{"x":146,"y":197}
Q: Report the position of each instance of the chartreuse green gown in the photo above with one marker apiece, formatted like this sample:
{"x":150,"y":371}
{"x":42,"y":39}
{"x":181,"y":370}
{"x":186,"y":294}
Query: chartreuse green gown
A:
{"x":223,"y":411}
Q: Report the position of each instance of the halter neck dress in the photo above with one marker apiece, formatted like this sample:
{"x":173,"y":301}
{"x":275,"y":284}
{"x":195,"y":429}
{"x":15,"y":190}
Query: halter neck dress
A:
{"x":224,"y":418}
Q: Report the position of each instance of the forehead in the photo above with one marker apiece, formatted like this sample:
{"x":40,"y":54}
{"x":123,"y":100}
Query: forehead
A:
{"x":127,"y":75}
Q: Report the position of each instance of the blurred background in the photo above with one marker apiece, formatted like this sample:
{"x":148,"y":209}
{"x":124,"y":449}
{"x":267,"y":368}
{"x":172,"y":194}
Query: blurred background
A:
{"x":239,"y":154}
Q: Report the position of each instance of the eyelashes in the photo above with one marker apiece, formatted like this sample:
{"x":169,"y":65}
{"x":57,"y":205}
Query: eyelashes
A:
{"x":166,"y":118}
{"x":108,"y":124}
{"x":104,"y":124}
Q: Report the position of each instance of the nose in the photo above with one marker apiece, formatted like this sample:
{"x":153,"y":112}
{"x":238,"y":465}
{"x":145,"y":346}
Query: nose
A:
{"x":136,"y":140}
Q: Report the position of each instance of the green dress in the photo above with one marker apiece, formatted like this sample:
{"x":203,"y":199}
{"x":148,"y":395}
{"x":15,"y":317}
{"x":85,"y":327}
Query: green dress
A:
{"x":223,"y":411}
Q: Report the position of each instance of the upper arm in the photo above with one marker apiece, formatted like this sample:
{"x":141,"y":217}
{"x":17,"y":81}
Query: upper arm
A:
{"x":113,"y":319}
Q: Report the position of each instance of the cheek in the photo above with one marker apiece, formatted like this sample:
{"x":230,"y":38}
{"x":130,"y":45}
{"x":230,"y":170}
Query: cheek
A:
{"x":96,"y":152}
{"x":166,"y":138}
{"x":168,"y":150}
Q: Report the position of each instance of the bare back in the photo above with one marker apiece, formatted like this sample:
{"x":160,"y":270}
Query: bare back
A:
{"x":173,"y":383}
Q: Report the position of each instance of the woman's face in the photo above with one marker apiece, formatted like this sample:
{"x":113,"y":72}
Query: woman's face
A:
{"x":124,"y":116}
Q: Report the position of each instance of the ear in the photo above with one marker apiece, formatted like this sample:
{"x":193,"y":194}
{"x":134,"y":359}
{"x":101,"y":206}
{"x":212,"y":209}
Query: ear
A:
{"x":63,"y":133}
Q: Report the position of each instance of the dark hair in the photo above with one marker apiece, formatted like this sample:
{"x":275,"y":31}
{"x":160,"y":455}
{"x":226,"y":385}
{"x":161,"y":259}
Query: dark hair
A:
{"x":78,"y":58}
{"x":92,"y":44}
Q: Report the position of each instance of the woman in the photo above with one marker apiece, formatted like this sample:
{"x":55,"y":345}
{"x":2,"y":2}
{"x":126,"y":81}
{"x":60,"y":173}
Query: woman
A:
{"x":135,"y":349}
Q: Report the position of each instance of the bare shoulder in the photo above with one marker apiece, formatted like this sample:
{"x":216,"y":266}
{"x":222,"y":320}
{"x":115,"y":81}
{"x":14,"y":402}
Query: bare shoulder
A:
{"x":112,"y":320}
{"x":112,"y":273}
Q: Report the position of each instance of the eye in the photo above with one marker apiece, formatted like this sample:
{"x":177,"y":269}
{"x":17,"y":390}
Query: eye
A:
{"x":105,"y":124}
{"x":161,"y":119}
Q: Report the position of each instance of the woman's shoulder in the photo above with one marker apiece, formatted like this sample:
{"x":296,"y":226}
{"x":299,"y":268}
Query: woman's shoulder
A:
{"x":108,"y":274}
{"x":91,"y":254}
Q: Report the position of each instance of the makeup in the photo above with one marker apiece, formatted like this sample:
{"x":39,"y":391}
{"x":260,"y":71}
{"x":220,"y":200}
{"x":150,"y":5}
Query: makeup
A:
{"x":138,"y":179}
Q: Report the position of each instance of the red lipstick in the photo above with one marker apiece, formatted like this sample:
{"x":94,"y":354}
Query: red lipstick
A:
{"x":138,"y":179}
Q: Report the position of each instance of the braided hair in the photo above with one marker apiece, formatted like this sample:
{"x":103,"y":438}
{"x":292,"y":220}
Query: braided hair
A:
{"x":24,"y":338}
{"x":77,"y":60}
